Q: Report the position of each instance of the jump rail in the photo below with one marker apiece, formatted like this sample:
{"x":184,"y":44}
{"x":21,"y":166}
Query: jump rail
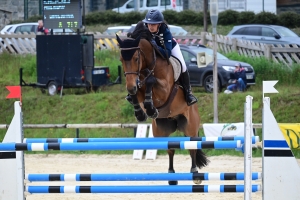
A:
{"x":140,"y":177}
{"x":255,"y":139}
{"x":120,"y":146}
{"x":141,"y":189}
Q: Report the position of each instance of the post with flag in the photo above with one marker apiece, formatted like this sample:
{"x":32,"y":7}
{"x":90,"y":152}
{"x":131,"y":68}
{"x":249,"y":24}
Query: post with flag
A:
{"x":15,"y":92}
{"x":268,"y":87}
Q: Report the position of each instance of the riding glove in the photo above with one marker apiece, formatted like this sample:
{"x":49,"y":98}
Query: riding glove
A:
{"x":154,"y":43}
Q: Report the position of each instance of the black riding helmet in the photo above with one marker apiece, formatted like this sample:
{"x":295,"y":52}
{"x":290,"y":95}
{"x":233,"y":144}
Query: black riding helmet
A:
{"x":154,"y":17}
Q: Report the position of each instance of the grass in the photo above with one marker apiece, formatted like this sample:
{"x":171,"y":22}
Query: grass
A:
{"x":108,"y":105}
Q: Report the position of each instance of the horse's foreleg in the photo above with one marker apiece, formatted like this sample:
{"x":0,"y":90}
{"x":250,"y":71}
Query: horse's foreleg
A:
{"x":148,"y":103}
{"x":171,"y":153}
{"x":138,"y":111}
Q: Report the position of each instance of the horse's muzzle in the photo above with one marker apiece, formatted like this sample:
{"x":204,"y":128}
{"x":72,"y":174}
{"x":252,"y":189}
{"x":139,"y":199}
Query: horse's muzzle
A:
{"x":132,"y":90}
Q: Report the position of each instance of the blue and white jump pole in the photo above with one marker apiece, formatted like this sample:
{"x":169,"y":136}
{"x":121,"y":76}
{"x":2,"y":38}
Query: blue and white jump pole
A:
{"x":141,"y":177}
{"x":254,"y":139}
{"x":142,"y":189}
{"x":120,"y":145}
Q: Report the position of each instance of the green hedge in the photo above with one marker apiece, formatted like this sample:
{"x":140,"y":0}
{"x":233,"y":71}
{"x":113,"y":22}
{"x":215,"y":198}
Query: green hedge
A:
{"x":189,"y":17}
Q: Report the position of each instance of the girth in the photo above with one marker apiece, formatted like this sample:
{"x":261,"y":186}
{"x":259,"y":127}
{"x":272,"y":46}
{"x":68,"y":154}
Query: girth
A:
{"x":164,"y":110}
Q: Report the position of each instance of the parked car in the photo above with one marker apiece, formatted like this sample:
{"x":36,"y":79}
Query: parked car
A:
{"x":175,"y":30}
{"x":30,"y":28}
{"x":199,"y":61}
{"x":145,"y":5}
{"x":270,"y":34}
{"x":117,"y":29}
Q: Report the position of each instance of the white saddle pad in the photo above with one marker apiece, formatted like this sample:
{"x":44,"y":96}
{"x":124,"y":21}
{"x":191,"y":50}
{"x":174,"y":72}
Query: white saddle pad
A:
{"x":176,"y":67}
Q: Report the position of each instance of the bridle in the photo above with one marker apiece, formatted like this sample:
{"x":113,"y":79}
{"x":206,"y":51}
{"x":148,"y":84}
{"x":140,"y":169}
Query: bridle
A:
{"x":149,"y":69}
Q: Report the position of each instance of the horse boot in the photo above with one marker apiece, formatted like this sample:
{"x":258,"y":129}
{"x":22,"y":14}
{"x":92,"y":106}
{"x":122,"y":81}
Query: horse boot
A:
{"x":129,"y":99}
{"x":189,"y":97}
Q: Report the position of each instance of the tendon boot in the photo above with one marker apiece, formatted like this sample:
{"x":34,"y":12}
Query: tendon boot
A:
{"x":185,"y":81}
{"x":129,"y":99}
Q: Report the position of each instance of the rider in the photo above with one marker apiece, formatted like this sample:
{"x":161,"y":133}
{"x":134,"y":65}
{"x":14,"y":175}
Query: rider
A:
{"x":167,"y":45}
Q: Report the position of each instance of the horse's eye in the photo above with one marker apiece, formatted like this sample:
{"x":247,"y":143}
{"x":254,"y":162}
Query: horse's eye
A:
{"x":136,"y":59}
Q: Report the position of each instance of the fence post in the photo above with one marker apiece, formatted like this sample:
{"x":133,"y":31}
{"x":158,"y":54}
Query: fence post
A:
{"x":77,"y":132}
{"x":203,"y":38}
{"x":267,"y":51}
{"x":234,"y":45}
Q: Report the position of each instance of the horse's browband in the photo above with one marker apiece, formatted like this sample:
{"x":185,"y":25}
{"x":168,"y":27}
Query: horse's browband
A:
{"x":131,"y":48}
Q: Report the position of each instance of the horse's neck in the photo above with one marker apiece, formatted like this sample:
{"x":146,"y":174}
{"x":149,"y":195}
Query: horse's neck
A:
{"x":148,"y":52}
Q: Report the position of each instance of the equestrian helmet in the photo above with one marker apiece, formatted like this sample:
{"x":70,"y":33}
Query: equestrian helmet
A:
{"x":154,"y":17}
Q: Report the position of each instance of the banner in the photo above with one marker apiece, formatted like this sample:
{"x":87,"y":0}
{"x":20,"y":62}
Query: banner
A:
{"x":228,"y":129}
{"x":291,"y":133}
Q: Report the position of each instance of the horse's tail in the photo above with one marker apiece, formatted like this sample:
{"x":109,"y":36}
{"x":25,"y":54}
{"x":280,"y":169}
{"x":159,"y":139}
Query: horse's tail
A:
{"x":201,"y":159}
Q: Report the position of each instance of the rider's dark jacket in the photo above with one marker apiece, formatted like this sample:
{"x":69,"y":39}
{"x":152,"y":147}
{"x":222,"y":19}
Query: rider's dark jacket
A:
{"x":167,"y":38}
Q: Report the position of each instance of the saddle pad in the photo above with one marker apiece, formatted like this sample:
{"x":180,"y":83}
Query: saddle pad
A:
{"x":176,"y":67}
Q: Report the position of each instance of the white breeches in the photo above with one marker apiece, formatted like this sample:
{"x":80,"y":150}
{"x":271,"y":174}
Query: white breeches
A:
{"x":177,"y":53}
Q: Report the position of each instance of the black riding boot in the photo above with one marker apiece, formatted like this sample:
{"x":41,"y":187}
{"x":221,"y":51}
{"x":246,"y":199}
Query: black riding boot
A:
{"x":189,"y":97}
{"x":129,"y":99}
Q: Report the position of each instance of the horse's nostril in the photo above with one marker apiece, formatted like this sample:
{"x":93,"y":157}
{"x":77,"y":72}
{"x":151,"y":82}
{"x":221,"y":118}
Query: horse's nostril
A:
{"x":132,"y":91}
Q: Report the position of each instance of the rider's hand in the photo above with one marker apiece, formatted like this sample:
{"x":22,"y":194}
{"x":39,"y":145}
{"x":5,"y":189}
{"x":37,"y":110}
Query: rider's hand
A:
{"x":154,"y":43}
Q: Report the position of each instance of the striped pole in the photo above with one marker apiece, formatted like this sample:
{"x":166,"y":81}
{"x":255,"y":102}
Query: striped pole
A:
{"x":142,"y":189}
{"x":255,"y":139}
{"x":140,"y":177}
{"x":119,"y":146}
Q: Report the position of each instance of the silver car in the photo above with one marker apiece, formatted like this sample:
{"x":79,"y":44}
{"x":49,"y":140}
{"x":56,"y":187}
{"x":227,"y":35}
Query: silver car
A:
{"x":270,"y":34}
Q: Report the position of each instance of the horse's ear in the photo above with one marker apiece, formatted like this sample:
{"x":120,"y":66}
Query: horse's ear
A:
{"x":119,"y":40}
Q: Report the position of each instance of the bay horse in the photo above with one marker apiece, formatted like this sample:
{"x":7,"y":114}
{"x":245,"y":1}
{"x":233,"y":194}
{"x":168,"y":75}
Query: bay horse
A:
{"x":155,"y":94}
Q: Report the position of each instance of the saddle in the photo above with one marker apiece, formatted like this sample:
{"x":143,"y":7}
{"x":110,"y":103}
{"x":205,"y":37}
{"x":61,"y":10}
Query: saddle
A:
{"x":175,"y":62}
{"x":177,"y":68}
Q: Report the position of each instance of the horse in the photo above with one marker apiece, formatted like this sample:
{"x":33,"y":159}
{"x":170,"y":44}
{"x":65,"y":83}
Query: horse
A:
{"x":155,"y":94}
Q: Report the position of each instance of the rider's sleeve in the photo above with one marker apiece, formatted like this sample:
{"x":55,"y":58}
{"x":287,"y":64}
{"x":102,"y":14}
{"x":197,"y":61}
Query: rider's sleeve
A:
{"x":167,"y":38}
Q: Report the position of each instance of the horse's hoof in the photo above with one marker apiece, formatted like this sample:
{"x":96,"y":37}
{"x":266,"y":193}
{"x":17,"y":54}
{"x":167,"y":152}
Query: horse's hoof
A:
{"x":173,"y":182}
{"x":154,"y":114}
{"x":198,"y":181}
{"x":141,"y":118}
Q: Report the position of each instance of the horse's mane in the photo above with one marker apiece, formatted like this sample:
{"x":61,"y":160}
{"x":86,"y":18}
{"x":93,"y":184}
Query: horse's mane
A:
{"x":142,"y":31}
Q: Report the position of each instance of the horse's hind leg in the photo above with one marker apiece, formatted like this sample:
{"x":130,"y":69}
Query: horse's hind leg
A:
{"x":190,"y":128}
{"x":163,"y":128}
{"x":199,"y":160}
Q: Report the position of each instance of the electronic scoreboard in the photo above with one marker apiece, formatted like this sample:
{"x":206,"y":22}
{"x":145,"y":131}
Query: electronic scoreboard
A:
{"x":62,"y":14}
